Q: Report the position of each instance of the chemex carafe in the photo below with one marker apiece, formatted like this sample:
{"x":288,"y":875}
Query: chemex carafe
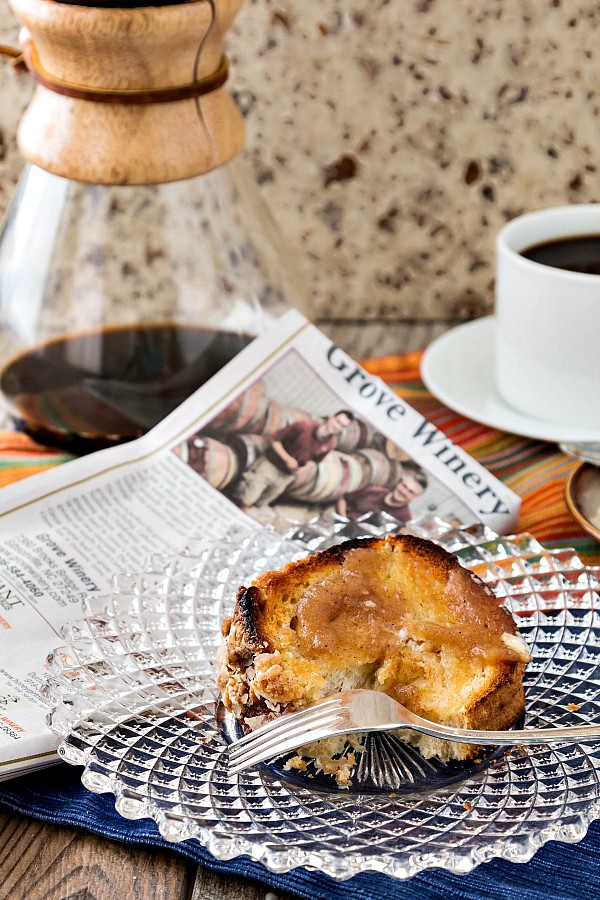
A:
{"x":137,"y":257}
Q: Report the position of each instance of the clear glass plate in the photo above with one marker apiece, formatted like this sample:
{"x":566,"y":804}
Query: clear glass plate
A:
{"x":135,"y":703}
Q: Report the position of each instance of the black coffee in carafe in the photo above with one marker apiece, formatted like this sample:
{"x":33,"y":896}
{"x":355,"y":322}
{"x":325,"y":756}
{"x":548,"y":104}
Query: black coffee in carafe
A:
{"x":138,"y":256}
{"x":91,"y":390}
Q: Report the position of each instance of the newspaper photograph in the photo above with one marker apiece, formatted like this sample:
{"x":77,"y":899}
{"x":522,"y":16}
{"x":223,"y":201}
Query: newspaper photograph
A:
{"x":292,"y":428}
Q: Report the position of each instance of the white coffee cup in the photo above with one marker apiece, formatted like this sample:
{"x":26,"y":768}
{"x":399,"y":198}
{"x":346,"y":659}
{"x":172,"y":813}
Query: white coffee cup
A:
{"x":547,"y":361}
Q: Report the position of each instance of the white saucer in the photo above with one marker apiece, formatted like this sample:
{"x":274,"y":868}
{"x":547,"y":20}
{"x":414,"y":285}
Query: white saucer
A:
{"x":458,"y":369}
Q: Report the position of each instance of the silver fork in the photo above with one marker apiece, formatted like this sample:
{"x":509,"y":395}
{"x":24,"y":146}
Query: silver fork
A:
{"x":363,"y":710}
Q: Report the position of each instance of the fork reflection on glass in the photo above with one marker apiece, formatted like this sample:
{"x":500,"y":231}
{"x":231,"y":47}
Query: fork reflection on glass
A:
{"x":364,"y":710}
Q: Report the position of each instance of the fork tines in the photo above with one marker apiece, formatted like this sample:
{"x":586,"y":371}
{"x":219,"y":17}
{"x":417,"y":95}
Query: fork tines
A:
{"x":284,"y":734}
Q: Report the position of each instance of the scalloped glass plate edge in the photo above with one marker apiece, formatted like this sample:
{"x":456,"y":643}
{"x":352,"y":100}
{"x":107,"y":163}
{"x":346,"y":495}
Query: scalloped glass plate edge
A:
{"x":176,"y":826}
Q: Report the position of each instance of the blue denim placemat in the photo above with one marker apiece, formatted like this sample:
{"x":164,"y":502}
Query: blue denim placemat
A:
{"x":557,"y":872}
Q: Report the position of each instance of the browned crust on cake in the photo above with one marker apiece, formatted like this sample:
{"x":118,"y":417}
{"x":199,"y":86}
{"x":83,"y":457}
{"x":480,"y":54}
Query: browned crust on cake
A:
{"x":249,"y":615}
{"x":260,"y":672}
{"x":503,"y":702}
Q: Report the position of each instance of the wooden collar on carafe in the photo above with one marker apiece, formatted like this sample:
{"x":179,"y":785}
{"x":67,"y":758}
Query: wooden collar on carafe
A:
{"x":196,"y":88}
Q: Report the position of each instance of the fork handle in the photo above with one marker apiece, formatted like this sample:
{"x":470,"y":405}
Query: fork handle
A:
{"x":518,"y":736}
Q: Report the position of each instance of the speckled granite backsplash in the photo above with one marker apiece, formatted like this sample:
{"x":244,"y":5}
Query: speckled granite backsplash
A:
{"x":392,"y":139}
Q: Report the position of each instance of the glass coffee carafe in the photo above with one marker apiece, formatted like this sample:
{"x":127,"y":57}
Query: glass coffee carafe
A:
{"x":137,"y":257}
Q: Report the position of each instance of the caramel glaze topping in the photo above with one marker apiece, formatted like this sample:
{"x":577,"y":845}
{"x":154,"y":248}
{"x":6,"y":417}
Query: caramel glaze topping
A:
{"x":366,"y":616}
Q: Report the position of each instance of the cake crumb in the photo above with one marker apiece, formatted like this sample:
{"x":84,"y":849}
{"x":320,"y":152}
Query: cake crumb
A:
{"x":573,"y":707}
{"x":296,"y":762}
{"x":468,"y":806}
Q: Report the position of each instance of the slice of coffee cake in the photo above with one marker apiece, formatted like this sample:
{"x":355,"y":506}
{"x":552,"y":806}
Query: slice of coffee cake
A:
{"x":396,"y":614}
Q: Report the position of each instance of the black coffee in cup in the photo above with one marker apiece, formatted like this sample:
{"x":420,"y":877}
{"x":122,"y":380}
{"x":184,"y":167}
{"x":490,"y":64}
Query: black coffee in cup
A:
{"x":546,"y":360}
{"x":580,"y":253}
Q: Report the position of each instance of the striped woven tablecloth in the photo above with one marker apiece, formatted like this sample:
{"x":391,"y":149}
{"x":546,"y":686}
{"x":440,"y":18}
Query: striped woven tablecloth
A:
{"x":535,"y":470}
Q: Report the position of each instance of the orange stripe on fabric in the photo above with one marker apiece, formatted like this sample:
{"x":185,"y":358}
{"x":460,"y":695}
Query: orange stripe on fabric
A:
{"x":17,"y":441}
{"x":21,"y":456}
{"x":10,"y":476}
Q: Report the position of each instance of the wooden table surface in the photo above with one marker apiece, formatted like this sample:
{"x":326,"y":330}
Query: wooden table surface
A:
{"x":40,"y":861}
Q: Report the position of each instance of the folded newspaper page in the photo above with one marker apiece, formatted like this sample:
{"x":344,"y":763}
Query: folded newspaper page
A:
{"x":291,"y":427}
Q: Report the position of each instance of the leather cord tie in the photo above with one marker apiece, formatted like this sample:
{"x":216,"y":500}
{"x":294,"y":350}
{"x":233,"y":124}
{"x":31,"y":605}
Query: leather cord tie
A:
{"x":16,"y":56}
{"x":99,"y":95}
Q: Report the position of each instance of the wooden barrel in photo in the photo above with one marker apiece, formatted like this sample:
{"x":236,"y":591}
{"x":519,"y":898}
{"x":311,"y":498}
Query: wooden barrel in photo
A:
{"x":365,"y":466}
{"x":304,"y":482}
{"x":279,"y":416}
{"x":221,"y":463}
{"x":355,"y":435}
{"x":393,"y":451}
{"x":223,"y":420}
{"x":247,"y":413}
{"x":275,"y":418}
{"x":247,"y":447}
{"x":384,"y":471}
{"x":337,"y":474}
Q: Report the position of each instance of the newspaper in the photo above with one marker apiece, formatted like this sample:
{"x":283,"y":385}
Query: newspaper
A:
{"x":292,"y":426}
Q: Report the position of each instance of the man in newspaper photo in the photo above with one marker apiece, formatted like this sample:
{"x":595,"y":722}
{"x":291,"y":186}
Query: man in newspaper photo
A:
{"x":394,"y":501}
{"x":302,"y":443}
